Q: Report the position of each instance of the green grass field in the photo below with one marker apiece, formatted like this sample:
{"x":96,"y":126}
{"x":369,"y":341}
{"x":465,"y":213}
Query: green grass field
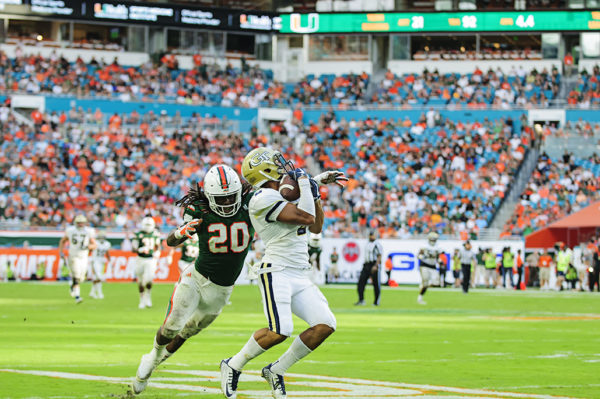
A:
{"x":487,"y":344}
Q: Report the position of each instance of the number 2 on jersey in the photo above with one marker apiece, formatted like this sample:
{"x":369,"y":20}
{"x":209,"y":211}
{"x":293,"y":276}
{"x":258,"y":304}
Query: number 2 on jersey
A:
{"x":217,"y":244}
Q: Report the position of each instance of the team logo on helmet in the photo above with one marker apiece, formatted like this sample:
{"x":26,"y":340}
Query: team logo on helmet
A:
{"x":260,"y":158}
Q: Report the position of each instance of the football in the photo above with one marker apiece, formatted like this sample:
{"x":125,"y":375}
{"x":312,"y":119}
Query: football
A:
{"x":289,"y":189}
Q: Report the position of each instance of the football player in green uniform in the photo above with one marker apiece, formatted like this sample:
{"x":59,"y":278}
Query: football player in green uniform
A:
{"x":146,"y":244}
{"x":219,"y":217}
{"x":189,"y":253}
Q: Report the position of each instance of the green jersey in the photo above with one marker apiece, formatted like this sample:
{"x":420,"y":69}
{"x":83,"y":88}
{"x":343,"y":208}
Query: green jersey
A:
{"x":189,"y":251}
{"x":314,"y":251}
{"x":147,"y":243}
{"x":223,"y":242}
{"x":334,"y":258}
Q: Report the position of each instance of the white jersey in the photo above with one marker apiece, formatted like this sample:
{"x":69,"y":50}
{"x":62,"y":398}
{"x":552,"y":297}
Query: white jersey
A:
{"x":286,"y":245}
{"x":79,"y":241}
{"x":430,"y":254}
{"x":101,"y":249}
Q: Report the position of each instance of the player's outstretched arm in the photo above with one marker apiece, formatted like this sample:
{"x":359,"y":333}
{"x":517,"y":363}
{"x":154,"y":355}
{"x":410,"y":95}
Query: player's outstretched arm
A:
{"x":183,"y":232}
{"x":93,"y":244}
{"x":317,"y":226}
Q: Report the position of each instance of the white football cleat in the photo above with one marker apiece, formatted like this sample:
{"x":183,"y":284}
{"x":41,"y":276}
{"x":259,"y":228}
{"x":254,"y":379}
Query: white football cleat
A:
{"x":420,"y":301}
{"x":148,"y":301}
{"x":138,"y":386}
{"x":275,"y":381}
{"x":78,"y":300}
{"x":229,"y":379}
{"x":144,"y":372}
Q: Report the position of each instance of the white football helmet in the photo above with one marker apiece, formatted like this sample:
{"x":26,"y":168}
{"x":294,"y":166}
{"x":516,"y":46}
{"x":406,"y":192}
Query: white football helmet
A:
{"x":433,"y":237}
{"x":80,"y":220}
{"x":148,"y":224}
{"x":223,"y":190}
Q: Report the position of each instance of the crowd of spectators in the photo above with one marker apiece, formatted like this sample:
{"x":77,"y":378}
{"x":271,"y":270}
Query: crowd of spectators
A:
{"x":406,"y":178}
{"x":556,"y":188}
{"x":478,"y":90}
{"x":586,"y":92}
{"x":114,"y":173}
{"x":409,"y":178}
{"x":249,"y":86}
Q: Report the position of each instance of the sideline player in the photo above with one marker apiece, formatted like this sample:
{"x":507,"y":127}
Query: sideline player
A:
{"x":285,"y":285}
{"x":314,"y":256}
{"x":100,"y":258}
{"x":81,"y":241}
{"x":218,"y":216}
{"x":189,"y":253}
{"x":146,"y":243}
{"x":429,"y":258}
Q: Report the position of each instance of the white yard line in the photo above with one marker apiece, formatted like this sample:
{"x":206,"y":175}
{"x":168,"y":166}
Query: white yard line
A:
{"x":332,"y":387}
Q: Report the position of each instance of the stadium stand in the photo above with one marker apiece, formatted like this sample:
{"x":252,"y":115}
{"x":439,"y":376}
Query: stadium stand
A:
{"x":557,"y":187}
{"x":209,"y":84}
{"x":454,"y":174}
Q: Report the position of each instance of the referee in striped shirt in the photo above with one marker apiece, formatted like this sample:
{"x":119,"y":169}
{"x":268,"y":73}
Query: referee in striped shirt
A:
{"x":371,"y":269}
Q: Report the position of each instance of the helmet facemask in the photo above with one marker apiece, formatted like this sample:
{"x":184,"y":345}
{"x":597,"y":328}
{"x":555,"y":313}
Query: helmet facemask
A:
{"x":225,"y":205}
{"x":283,"y":166}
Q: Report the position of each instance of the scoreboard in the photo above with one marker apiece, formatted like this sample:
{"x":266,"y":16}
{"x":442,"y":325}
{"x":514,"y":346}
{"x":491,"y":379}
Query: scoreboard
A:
{"x":442,"y":22}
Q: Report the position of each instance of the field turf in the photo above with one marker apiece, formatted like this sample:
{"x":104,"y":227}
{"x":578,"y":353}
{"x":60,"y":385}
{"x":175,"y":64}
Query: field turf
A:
{"x":492,"y":344}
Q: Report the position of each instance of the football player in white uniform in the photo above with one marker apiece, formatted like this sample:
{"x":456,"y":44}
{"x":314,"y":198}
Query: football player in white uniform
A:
{"x":100,"y":258}
{"x":428,"y":261}
{"x":81,"y":241}
{"x":283,"y":274}
{"x":146,"y":244}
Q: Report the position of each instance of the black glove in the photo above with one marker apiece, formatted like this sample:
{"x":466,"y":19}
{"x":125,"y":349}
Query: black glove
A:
{"x":314,"y":188}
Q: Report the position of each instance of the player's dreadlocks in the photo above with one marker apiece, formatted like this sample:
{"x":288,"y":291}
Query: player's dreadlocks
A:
{"x":195,"y":194}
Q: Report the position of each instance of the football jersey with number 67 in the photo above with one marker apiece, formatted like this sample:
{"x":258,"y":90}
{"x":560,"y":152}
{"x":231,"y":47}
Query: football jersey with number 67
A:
{"x":223,"y":242}
{"x":79,"y":240}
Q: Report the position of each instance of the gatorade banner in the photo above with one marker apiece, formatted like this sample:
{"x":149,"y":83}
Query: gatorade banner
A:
{"x":121,"y":267}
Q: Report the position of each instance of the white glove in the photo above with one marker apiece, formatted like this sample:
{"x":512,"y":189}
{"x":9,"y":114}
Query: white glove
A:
{"x":331,"y":176}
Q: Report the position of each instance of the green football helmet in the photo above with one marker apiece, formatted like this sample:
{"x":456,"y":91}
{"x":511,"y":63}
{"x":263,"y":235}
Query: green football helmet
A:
{"x":265,"y":164}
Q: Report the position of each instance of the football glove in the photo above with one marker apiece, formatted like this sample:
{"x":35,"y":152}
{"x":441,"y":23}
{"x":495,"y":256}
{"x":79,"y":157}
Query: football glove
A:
{"x":297,"y":173}
{"x":331,"y":176}
{"x":314,"y":188}
{"x":188,"y":229}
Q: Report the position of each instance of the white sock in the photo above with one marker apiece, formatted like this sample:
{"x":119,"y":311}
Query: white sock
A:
{"x":420,"y":298}
{"x":251,"y":350}
{"x":158,"y":351}
{"x":76,"y":291}
{"x":148,"y":293}
{"x":99,"y":288}
{"x":295,"y":352}
{"x":165,"y":356}
{"x":142,"y":296}
{"x":93,"y":290}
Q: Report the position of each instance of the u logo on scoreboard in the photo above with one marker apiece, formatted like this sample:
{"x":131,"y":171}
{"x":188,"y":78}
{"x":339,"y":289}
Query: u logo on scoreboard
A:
{"x":296,"y":23}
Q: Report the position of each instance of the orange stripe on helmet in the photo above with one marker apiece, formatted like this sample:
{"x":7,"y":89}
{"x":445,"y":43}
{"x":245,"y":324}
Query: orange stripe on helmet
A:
{"x":223,"y":176}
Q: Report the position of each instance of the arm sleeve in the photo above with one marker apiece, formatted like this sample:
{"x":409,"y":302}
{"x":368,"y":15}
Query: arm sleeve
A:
{"x":267,"y":204}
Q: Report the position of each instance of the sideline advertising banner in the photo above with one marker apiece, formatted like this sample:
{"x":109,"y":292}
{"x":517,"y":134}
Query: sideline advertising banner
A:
{"x":402,"y":252}
{"x":121,"y":267}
